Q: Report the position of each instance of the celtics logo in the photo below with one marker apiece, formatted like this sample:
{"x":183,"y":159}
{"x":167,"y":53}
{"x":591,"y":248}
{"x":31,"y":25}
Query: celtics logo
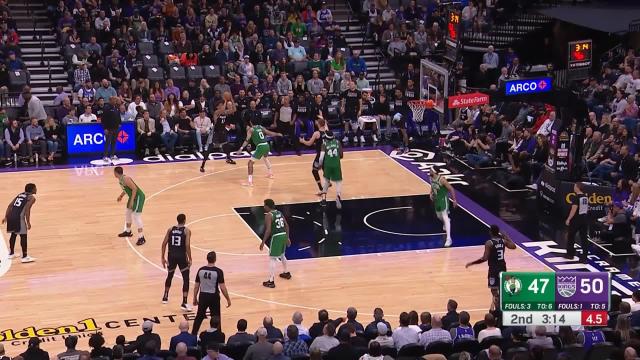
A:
{"x":512,"y":286}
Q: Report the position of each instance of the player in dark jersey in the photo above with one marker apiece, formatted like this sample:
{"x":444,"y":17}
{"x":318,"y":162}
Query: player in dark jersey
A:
{"x":222,"y":128}
{"x":494,"y":254}
{"x":178,"y":241}
{"x":317,"y":139}
{"x":399,"y":109}
{"x":350,"y":109}
{"x":18,"y":220}
{"x":302,"y":119}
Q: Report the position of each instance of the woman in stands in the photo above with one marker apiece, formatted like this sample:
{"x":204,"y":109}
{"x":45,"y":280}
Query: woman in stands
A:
{"x":171,"y":105}
{"x":52,"y":136}
{"x":157,"y":91}
{"x":124,"y":91}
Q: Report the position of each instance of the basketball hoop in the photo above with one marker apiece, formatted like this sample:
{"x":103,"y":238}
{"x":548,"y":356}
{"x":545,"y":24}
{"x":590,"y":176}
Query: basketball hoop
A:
{"x":418,"y":107}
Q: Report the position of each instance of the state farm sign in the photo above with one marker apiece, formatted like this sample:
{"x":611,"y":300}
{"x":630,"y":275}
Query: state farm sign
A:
{"x":466,"y":100}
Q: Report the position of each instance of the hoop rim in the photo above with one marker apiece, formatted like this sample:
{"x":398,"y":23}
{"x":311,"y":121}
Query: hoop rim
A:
{"x":419,"y":103}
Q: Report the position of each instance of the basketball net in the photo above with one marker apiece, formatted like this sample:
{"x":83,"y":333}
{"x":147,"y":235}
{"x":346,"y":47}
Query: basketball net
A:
{"x":417,"y":108}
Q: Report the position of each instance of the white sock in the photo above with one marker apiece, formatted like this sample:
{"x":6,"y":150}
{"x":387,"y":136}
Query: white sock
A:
{"x":268,"y":164}
{"x":284,"y":263}
{"x":325,"y":185}
{"x":250,"y":178}
{"x":338,"y":188}
{"x":272,"y":268}
{"x":127,"y":228}
{"x":447,"y":224}
{"x":140,"y":234}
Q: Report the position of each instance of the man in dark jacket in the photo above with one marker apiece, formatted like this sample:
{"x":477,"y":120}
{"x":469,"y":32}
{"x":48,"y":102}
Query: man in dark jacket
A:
{"x":34,"y":352}
{"x":111,"y":123}
{"x":147,"y":337}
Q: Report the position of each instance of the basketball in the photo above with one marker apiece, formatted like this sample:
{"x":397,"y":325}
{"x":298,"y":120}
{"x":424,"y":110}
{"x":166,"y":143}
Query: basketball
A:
{"x":430,"y":104}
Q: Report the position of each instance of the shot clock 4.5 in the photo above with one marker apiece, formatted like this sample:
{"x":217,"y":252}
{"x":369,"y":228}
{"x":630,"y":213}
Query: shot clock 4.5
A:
{"x":562,"y":298}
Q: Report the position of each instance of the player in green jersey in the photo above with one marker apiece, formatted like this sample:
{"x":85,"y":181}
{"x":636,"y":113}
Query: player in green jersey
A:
{"x":135,"y":203}
{"x":276,"y":228}
{"x":258,"y":136}
{"x":330,"y":156}
{"x":440,"y":192}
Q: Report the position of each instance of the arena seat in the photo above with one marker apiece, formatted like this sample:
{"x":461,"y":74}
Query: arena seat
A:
{"x":600,"y":351}
{"x":411,"y":350}
{"x":509,"y":354}
{"x":469,"y":345}
{"x":439,"y":347}
{"x":491,"y":340}
{"x":574,"y":351}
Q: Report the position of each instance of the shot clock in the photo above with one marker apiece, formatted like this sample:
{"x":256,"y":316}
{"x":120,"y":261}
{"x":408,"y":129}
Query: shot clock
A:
{"x":561,"y":298}
{"x":580,"y":53}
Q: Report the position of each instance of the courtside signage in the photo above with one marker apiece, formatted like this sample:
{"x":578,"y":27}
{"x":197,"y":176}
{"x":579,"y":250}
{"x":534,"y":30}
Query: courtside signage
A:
{"x":89,"y":138}
{"x":466,"y":100}
{"x":528,"y":86}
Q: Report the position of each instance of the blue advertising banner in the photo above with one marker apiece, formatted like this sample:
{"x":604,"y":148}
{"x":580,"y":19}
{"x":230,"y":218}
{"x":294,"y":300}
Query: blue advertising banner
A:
{"x":528,"y":86}
{"x":89,"y":138}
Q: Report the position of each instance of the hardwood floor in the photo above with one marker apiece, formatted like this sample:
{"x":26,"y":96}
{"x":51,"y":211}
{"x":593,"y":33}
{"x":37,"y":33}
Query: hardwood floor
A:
{"x":83,"y":271}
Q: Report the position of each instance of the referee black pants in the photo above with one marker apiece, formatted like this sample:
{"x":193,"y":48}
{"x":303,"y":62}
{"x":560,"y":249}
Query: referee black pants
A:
{"x":576,"y":227}
{"x":206,"y":301}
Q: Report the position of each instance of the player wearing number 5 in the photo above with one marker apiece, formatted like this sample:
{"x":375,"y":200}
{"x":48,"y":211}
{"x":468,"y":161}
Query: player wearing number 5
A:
{"x":258,"y":135}
{"x":494,"y":254}
{"x":18,"y":220}
{"x":277,"y":229}
{"x":178,"y":240}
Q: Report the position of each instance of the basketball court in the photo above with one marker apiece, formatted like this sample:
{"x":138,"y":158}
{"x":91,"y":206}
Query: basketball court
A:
{"x":383,"y":249}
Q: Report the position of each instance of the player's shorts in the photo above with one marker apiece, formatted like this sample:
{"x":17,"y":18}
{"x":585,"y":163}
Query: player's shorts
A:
{"x":179,"y":262}
{"x":261,"y":151}
{"x":17,"y":225}
{"x":278,"y":244}
{"x":333,"y":173}
{"x":138,"y":203}
{"x":441,"y":206}
{"x":493,"y":279}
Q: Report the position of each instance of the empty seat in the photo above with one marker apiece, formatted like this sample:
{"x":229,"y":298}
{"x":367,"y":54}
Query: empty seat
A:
{"x":194,"y":72}
{"x":17,"y":78}
{"x":411,"y":350}
{"x":155,"y":73}
{"x":150,"y":60}
{"x":165,"y":48}
{"x":177,"y":73}
{"x":600,"y":351}
{"x":491,"y":340}
{"x":439,"y":347}
{"x":145,"y":48}
{"x":211,"y":72}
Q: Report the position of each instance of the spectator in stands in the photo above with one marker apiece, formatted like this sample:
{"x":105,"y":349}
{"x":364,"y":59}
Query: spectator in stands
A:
{"x":181,"y":350}
{"x":87,"y":92}
{"x":33,"y":105}
{"x":183,"y":337}
{"x":297,"y":319}
{"x":88,"y":116}
{"x":343,"y":351}
{"x":52,"y":136}
{"x":71,"y":353}
{"x":414,"y":320}
{"x":490,"y":58}
{"x":464,"y":329}
{"x":34,"y":352}
{"x":143,"y":342}
{"x":14,"y":63}
{"x":203,"y":127}
{"x":294,"y":346}
{"x":272,"y":331}
{"x":540,"y":339}
{"x":241,"y":336}
{"x":213,"y":335}
{"x":452,"y":314}
{"x":352,"y":313}
{"x":278,"y":352}
{"x":469,"y":13}
{"x":382,"y":338}
{"x":356,"y":64}
{"x":425,"y":321}
{"x":261,"y":350}
{"x":371,"y":330}
{"x":167,"y":134}
{"x":148,"y":138}
{"x":81,"y":76}
{"x":36,"y":138}
{"x":325,"y":342}
{"x":404,"y":335}
{"x":491,"y":329}
{"x":437,"y":333}
{"x":213,"y":353}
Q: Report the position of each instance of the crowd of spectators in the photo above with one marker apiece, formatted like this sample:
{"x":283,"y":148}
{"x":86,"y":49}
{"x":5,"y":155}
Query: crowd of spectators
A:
{"x":426,"y":336}
{"x":10,"y":54}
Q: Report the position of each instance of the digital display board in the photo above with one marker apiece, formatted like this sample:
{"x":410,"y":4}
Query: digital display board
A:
{"x":580,"y":54}
{"x":560,"y":298}
{"x":89,"y":138}
{"x":528,"y":86}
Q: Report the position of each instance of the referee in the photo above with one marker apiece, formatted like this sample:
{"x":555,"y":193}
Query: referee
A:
{"x":577,"y":222}
{"x":209,"y":284}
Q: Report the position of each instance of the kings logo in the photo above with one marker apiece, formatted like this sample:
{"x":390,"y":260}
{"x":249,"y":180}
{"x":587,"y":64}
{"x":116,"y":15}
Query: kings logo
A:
{"x":566,"y":286}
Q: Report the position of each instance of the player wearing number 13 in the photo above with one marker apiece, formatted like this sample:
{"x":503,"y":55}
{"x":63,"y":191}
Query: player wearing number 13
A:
{"x":18,"y":220}
{"x":178,"y":240}
{"x":258,"y":135}
{"x":277,"y":229}
{"x":494,"y":254}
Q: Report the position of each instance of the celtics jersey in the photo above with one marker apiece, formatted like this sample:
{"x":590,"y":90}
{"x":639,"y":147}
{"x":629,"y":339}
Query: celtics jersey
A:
{"x":278,"y":234}
{"x":440,"y":195}
{"x":332,"y":153}
{"x":258,"y":136}
{"x":128,"y":190}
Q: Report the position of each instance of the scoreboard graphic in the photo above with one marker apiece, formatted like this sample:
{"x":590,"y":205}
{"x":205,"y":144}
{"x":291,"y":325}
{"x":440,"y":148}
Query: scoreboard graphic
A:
{"x":560,"y":298}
